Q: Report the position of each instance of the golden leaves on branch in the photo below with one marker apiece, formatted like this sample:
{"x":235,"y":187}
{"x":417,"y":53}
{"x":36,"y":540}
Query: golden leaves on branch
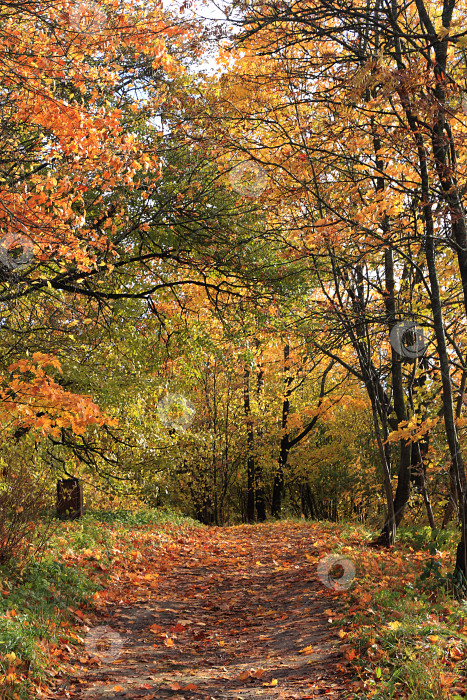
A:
{"x":33,"y":399}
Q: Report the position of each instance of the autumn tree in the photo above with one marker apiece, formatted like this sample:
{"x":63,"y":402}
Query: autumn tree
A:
{"x":355,"y":118}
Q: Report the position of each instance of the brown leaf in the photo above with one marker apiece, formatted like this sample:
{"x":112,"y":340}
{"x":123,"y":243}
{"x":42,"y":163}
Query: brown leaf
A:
{"x":447,"y":679}
{"x":456,"y":654}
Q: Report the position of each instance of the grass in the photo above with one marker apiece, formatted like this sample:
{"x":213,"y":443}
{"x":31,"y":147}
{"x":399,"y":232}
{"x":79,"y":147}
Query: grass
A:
{"x":39,"y":601}
{"x":405,"y":635}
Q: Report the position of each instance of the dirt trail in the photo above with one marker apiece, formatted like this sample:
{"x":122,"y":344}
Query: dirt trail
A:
{"x":226,"y":615}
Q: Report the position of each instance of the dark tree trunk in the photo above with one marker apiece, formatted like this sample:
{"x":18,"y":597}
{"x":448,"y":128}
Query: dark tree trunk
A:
{"x":278,"y":487}
{"x":250,"y":505}
{"x":451,"y":506}
{"x":460,"y":570}
{"x":418,"y":474}
{"x":260,"y":500}
{"x":309,"y":509}
{"x":402,"y":494}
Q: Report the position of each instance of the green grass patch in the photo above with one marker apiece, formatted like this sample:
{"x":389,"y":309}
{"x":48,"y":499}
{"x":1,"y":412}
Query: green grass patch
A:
{"x":406,"y":636}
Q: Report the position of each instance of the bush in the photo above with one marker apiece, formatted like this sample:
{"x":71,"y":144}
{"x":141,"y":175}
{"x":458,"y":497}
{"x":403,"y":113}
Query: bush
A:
{"x":23,"y":529}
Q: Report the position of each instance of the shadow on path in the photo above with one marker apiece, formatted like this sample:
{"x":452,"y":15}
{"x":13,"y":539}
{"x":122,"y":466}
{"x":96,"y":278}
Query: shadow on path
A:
{"x":239,"y":613}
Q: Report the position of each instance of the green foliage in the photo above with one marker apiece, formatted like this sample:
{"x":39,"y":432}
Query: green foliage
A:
{"x":423,"y":537}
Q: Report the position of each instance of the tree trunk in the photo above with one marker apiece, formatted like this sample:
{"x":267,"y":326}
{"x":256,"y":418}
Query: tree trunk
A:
{"x":419,"y":450}
{"x":250,"y":505}
{"x":260,"y":500}
{"x":451,"y":506}
{"x":278,"y":487}
{"x":403,"y":479}
{"x":460,"y":570}
{"x":443,"y":155}
{"x":388,"y":533}
{"x":309,"y":509}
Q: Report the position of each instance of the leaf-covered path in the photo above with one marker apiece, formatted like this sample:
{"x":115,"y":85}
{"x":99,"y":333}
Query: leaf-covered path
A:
{"x":223,"y":613}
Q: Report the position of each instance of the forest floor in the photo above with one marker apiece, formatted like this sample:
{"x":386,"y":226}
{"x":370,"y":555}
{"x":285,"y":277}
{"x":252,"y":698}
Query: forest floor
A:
{"x":226,"y":614}
{"x":149,"y":604}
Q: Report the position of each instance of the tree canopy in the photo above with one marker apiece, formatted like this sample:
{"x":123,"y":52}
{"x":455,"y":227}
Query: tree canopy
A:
{"x":240,"y":291}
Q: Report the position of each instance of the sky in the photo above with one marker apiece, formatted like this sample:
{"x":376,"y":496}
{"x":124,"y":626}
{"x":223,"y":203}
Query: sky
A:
{"x":207,"y":11}
{"x":201,"y":9}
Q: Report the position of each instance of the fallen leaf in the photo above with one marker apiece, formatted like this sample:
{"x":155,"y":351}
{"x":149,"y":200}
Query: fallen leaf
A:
{"x":456,"y":654}
{"x":177,"y":628}
{"x":447,"y":679}
{"x":394,"y":625}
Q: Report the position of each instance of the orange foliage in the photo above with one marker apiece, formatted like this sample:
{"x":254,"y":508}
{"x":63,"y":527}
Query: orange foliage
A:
{"x":39,"y":402}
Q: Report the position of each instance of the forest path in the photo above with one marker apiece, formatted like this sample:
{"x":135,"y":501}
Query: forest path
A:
{"x":225,"y":613}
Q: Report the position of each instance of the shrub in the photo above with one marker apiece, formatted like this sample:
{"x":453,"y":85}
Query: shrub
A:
{"x":24,"y":530}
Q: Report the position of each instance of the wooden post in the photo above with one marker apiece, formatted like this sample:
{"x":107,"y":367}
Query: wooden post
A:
{"x":69,"y":499}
